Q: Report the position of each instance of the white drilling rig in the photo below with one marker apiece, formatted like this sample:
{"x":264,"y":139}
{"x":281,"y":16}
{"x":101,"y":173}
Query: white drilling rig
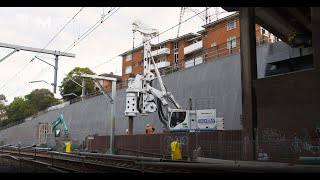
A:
{"x":142,"y":98}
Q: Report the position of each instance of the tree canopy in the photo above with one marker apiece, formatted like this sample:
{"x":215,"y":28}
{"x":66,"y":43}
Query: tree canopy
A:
{"x":23,"y":107}
{"x":68,"y":86}
{"x":41,"y":99}
{"x":19,"y":109}
{"x":3,"y":107}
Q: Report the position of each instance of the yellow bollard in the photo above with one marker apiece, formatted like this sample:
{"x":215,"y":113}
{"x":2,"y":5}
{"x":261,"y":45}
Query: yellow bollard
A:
{"x":68,"y":147}
{"x":175,"y":150}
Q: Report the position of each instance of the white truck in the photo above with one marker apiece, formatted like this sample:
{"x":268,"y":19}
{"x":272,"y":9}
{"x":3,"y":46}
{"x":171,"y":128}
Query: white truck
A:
{"x":142,"y":98}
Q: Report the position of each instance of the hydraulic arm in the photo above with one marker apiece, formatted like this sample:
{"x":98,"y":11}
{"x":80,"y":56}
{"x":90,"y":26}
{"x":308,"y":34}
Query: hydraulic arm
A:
{"x":60,"y":120}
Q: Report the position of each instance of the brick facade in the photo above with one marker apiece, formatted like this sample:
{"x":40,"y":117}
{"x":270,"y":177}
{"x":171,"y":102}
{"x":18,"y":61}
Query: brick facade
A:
{"x":215,"y":44}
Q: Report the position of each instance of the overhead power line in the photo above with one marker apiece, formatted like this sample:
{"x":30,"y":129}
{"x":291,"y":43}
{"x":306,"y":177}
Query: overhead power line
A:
{"x":84,"y":35}
{"x":41,"y":49}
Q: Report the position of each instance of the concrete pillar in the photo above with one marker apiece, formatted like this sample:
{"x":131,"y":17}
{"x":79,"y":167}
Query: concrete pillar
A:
{"x":248,"y":74}
{"x":315,"y":25}
{"x":130,"y":125}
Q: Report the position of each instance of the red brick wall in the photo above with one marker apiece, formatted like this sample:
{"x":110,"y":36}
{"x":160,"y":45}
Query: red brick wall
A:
{"x":106,"y":84}
{"x":217,"y":33}
{"x":138,"y":56}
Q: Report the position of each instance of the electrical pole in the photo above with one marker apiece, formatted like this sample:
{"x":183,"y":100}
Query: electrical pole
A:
{"x":18,"y":48}
{"x":55,"y":74}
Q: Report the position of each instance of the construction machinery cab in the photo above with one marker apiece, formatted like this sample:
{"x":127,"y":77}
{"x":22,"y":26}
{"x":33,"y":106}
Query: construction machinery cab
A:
{"x":177,"y":117}
{"x":55,"y":130}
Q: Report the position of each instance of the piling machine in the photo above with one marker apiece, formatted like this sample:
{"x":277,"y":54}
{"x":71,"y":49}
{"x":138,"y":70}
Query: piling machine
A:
{"x":142,"y":98}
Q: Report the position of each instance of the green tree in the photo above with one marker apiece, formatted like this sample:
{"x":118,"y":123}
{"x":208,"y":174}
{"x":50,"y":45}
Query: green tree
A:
{"x":68,"y":86}
{"x":3,"y":107}
{"x":19,"y":109}
{"x":41,"y":99}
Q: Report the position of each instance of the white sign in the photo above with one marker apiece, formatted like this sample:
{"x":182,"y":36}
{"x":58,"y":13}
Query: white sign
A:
{"x":90,"y":137}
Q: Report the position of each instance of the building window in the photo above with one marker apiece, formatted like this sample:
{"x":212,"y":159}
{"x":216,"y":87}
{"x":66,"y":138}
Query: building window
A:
{"x":263,"y":31}
{"x":129,"y":57}
{"x":176,"y":58}
{"x":231,"y":24}
{"x":161,"y":60}
{"x":231,"y":42}
{"x":128,"y":69}
{"x":141,"y":62}
{"x":175,"y":45}
{"x":213,"y":44}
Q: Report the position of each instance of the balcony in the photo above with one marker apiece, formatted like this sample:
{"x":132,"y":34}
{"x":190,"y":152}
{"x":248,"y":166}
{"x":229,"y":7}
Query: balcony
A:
{"x":160,"y":65}
{"x":159,"y":52}
{"x":193,"y":47}
{"x":193,"y":62}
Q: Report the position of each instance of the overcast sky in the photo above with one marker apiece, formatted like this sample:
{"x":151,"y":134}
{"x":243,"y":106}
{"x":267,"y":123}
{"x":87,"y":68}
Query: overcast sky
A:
{"x":35,"y":27}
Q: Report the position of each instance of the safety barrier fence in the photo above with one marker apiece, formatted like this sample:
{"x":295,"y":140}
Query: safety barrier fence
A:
{"x":226,"y":144}
{"x":158,"y":145}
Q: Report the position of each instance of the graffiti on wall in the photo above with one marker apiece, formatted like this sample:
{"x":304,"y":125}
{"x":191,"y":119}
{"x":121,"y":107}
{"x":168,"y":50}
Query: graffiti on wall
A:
{"x":263,"y":156}
{"x":167,"y":140}
{"x":275,"y":136}
{"x":298,"y":141}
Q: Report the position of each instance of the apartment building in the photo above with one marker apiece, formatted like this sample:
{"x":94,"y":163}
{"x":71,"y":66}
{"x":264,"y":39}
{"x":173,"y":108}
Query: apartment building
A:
{"x":217,"y":39}
{"x":106,"y":84}
{"x":165,"y":54}
{"x":221,"y":38}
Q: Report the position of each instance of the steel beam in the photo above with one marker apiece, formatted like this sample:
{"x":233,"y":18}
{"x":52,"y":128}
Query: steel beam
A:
{"x":300,"y":17}
{"x":130,"y":125}
{"x":248,"y":74}
{"x":76,"y":81}
{"x":98,"y":77}
{"x":44,"y":51}
{"x":9,"y":54}
{"x":113,"y":102}
{"x":315,"y":23}
{"x":44,"y":61}
{"x":113,"y":117}
{"x":274,"y":23}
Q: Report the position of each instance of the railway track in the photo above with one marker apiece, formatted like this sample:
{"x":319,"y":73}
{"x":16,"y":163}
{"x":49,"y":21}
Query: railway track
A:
{"x":85,"y":162}
{"x":82,"y":162}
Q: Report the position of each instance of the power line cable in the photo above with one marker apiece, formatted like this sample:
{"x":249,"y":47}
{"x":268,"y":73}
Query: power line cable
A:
{"x":42,"y":49}
{"x":81,"y":38}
